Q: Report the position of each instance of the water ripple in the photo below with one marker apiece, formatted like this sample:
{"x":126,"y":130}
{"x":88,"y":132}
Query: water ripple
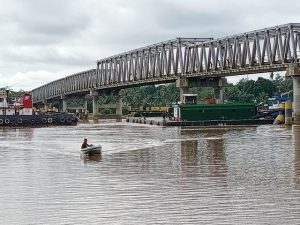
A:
{"x":150,"y":175}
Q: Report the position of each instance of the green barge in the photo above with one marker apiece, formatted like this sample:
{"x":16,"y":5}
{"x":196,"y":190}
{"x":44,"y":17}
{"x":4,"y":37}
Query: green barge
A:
{"x":189,"y":113}
{"x":204,"y":112}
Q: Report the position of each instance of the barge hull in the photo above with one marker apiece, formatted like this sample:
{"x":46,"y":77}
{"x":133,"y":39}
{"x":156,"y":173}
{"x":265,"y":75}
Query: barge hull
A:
{"x":37,"y":120}
{"x":219,"y":122}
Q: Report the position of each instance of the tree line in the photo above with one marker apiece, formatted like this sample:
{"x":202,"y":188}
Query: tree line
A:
{"x":245,"y":90}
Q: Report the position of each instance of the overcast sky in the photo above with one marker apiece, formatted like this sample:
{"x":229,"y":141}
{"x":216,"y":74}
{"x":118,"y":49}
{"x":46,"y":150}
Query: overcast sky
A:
{"x":44,"y":40}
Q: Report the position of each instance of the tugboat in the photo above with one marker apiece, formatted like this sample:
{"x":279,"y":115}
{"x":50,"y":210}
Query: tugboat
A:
{"x":21,"y":113}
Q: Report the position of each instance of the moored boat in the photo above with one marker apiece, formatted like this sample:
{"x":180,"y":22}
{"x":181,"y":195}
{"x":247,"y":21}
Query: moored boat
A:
{"x":21,"y":113}
{"x":189,"y":113}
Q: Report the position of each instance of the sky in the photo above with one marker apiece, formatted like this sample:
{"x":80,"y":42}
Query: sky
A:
{"x":44,"y":40}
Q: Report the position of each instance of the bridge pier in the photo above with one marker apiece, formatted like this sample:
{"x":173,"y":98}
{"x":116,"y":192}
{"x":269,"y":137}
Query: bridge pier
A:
{"x":85,"y":102}
{"x":183,"y":85}
{"x":218,"y":94}
{"x":217,"y":83}
{"x":95,"y":98}
{"x":294,"y":71}
{"x":296,"y":102}
{"x":95,"y":106}
{"x":219,"y":90}
{"x":64,"y":103}
{"x":119,"y":107}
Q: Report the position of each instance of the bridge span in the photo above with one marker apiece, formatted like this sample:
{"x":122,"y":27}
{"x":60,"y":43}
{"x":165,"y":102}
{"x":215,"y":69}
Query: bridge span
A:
{"x":188,"y":62}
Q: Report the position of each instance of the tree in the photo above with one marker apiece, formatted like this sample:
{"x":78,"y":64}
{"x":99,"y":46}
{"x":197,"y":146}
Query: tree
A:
{"x":283,"y":84}
{"x":264,"y":85}
{"x":246,"y":86}
{"x":232,"y":93}
{"x":245,"y":90}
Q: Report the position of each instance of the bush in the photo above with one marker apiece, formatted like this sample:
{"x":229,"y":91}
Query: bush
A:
{"x":125,"y":111}
{"x":106,"y":112}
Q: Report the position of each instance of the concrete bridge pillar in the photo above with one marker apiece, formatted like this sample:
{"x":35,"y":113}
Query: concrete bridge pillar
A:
{"x":85,"y":102}
{"x":95,"y":107}
{"x":219,"y":90}
{"x":64,"y":103}
{"x":95,"y":97}
{"x":218,"y":83}
{"x":296,"y":102}
{"x":183,"y":85}
{"x":219,"y":94}
{"x":119,"y":107}
{"x":294,"y":72}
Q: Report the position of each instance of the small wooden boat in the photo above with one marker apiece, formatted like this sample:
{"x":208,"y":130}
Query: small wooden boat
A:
{"x":95,"y":149}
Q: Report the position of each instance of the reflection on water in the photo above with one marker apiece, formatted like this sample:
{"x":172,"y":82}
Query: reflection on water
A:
{"x":189,"y":155}
{"x":296,"y":144}
{"x":296,"y":140}
{"x":150,"y":175}
{"x":204,"y":154}
{"x":91,"y":157}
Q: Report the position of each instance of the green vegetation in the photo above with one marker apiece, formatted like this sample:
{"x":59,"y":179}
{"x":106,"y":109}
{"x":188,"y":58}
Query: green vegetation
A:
{"x":245,"y":91}
{"x":106,"y":111}
{"x":249,"y":91}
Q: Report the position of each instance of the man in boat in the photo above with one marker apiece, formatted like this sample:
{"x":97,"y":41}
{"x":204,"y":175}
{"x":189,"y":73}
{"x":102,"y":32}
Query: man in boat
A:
{"x":85,"y":144}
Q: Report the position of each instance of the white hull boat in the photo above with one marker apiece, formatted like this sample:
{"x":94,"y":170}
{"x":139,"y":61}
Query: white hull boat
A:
{"x":95,"y":149}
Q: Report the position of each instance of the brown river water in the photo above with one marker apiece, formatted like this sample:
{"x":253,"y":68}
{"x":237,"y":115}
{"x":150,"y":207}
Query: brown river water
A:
{"x":150,"y":175}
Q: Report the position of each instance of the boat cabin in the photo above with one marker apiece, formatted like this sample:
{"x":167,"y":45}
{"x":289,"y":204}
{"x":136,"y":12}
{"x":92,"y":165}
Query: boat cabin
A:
{"x":21,"y":106}
{"x":3,"y":99}
{"x":189,"y":99}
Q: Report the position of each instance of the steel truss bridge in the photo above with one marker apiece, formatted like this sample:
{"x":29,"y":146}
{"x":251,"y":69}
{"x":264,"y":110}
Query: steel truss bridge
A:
{"x":264,"y":50}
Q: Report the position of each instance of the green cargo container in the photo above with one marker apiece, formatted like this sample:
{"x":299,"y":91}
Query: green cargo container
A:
{"x":198,"y":112}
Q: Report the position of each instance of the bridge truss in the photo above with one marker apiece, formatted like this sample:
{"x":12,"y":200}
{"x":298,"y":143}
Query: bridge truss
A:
{"x":265,"y":50}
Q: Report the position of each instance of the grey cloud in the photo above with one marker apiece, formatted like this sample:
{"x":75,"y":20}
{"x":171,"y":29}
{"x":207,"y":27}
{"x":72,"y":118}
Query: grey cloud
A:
{"x":45,"y":21}
{"x":51,"y":55}
{"x":61,"y":37}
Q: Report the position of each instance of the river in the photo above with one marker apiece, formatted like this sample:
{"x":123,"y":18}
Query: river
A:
{"x":149,"y":174}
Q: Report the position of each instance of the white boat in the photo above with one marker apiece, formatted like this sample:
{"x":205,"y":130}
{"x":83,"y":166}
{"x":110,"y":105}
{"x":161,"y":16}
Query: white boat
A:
{"x":95,"y":149}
